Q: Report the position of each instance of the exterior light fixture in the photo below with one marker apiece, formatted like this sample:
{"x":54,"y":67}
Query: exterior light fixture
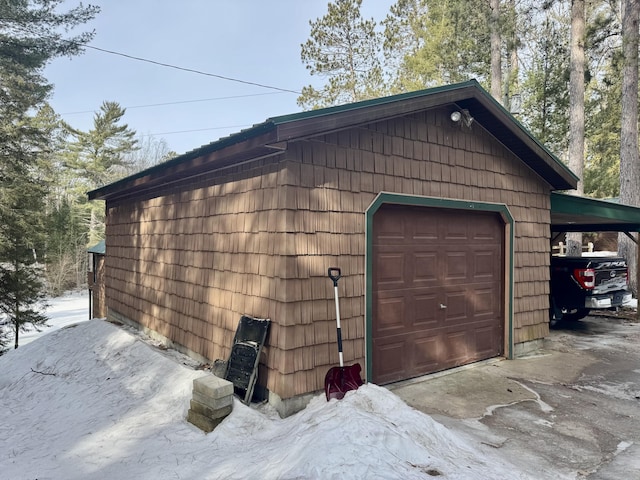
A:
{"x":462,"y":116}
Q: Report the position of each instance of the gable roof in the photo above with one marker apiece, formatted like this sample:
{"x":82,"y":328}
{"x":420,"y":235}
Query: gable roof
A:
{"x":270,"y":137}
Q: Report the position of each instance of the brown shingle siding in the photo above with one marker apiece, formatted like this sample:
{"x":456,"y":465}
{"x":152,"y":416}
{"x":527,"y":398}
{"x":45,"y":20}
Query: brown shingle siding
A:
{"x":257,"y":239}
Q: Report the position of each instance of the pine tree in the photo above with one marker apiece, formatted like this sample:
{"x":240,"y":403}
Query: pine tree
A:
{"x":344,"y":48}
{"x":439,"y":42}
{"x":544,"y":84}
{"x":21,"y":278}
{"x":99,"y":156}
{"x":31,"y":34}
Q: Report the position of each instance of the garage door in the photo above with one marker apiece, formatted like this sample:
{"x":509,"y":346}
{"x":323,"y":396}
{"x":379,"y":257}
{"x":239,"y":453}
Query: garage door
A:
{"x":438,"y":294}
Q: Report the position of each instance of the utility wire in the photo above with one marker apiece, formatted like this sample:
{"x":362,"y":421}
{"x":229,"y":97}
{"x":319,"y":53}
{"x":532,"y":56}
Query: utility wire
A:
{"x":181,"y":102}
{"x":195,"y":130}
{"x":168,"y":65}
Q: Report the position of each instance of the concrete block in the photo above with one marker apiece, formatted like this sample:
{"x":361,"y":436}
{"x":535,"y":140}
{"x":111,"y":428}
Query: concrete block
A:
{"x":212,"y":413}
{"x":290,"y":406}
{"x":212,"y":386}
{"x":213,"y":403}
{"x":204,"y":423}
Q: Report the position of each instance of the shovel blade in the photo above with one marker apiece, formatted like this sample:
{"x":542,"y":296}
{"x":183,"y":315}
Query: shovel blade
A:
{"x":340,"y":380}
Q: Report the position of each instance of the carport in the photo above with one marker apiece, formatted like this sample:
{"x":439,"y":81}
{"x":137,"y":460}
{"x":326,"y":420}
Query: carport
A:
{"x":570,"y":213}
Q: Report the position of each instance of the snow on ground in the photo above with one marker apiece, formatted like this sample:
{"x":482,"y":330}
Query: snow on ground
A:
{"x":95,"y":401}
{"x":62,"y":311}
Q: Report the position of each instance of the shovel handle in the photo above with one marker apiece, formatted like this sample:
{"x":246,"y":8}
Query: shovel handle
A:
{"x":334,"y":274}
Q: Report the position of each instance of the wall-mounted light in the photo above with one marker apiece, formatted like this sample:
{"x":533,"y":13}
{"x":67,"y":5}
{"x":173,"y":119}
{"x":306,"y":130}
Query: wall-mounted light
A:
{"x":461,"y":116}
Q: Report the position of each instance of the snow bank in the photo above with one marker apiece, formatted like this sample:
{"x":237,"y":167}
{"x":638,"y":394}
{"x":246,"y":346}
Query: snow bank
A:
{"x":93,"y":401}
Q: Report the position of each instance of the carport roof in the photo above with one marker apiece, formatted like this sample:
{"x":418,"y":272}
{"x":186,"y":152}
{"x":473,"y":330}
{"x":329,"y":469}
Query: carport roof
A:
{"x":571,"y":213}
{"x":271,"y":137}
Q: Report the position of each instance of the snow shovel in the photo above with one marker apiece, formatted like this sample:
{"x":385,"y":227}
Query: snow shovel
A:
{"x":339,"y":380}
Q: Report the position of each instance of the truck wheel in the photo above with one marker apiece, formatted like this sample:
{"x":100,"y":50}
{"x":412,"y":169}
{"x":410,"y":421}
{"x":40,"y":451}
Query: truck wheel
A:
{"x":575,"y":315}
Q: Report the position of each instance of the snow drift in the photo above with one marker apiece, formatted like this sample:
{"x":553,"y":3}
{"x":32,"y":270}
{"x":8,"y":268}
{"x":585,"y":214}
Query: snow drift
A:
{"x":95,"y":401}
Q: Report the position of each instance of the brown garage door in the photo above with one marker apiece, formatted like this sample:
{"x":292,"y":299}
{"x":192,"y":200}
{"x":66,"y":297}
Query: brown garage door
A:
{"x":437,"y":290}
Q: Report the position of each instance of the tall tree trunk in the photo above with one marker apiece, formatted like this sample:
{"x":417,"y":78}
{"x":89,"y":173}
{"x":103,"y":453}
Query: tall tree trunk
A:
{"x":576,"y":110}
{"x":496,"y":51}
{"x":629,"y":156}
{"x":16,"y":325}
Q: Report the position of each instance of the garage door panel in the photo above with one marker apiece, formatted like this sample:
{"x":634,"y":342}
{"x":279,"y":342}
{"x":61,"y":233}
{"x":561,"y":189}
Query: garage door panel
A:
{"x":485,"y":344}
{"x":391,"y":228}
{"x":391,"y":312}
{"x":425,"y":311}
{"x":453,"y":230}
{"x":438,"y":257}
{"x":426,"y":354}
{"x":485,"y":233}
{"x":485,"y":302}
{"x":456,"y":266}
{"x":390,"y":268}
{"x":456,"y":307}
{"x":455,"y":348}
{"x":424,"y":230}
{"x":425,"y":267}
{"x":484,"y":265}
{"x":390,"y":359}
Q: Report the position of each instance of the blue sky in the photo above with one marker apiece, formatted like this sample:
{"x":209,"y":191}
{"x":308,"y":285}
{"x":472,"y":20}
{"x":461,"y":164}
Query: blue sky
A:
{"x":252,"y":40}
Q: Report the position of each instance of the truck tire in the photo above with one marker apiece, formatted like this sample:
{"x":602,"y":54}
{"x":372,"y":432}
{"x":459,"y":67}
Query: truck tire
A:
{"x":575,"y":314}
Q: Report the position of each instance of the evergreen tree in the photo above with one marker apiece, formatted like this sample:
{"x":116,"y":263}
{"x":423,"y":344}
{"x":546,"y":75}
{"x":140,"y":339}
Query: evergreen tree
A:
{"x":344,"y":48}
{"x":602,"y":162}
{"x":545,"y":82}
{"x":98,"y":157}
{"x":21,"y":277}
{"x":31,"y":34}
{"x":439,"y":42}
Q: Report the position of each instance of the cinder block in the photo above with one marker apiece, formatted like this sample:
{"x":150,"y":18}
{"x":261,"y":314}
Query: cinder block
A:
{"x":212,"y":386}
{"x":212,"y":413}
{"x":204,"y":423}
{"x":213,"y":403}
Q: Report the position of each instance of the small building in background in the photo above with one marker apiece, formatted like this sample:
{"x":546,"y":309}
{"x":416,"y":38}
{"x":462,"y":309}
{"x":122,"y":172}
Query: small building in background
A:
{"x":95,"y":280}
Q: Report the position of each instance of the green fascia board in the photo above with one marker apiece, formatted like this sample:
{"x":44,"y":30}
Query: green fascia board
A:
{"x":433,"y":202}
{"x":612,"y":212}
{"x":320,"y":112}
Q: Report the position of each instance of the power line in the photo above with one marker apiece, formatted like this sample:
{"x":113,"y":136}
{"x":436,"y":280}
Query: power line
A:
{"x":181,"y":102}
{"x":199,"y":72}
{"x":195,"y":130}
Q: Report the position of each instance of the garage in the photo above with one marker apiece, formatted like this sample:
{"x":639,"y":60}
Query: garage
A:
{"x":440,"y":228}
{"x":438,"y":289}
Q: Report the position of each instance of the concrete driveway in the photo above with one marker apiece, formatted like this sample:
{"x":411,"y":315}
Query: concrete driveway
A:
{"x":572,"y":409}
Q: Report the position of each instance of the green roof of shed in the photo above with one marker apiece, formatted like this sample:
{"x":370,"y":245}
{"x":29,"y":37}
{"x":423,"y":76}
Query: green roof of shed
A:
{"x":270,"y":137}
{"x":98,"y":248}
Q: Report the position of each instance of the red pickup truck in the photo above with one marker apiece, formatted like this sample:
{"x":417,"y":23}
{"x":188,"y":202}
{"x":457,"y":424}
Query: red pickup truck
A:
{"x":582,"y":284}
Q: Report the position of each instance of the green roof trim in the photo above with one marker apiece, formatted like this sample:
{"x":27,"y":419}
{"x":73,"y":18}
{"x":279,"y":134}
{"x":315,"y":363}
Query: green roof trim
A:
{"x":348,"y":107}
